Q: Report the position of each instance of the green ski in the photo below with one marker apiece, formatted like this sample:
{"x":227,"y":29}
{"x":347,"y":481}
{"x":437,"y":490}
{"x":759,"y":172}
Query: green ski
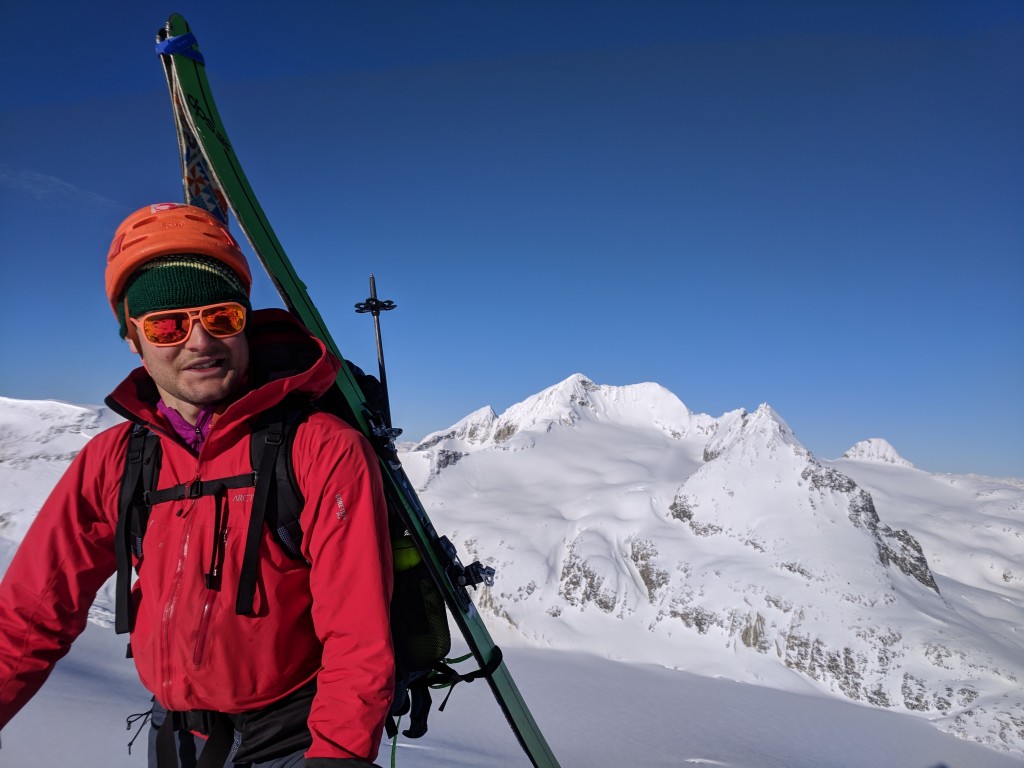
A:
{"x":213,"y":179}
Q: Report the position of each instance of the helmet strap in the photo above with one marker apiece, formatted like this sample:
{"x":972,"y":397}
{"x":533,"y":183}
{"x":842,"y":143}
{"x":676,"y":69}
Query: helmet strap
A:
{"x":133,"y":333}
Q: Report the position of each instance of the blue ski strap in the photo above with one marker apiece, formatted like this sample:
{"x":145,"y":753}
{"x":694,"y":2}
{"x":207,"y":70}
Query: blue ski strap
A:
{"x":181,"y":45}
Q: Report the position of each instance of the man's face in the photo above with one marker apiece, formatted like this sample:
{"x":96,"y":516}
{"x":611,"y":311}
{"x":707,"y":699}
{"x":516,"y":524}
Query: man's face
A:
{"x":202,"y":370}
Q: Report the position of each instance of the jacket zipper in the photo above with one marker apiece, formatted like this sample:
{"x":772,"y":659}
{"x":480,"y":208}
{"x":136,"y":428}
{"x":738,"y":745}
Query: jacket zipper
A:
{"x":211,"y":597}
{"x":204,"y":625}
{"x":167,"y":619}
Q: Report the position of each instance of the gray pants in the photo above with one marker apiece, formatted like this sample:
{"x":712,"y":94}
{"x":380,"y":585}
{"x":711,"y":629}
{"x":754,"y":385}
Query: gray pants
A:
{"x":190,"y":747}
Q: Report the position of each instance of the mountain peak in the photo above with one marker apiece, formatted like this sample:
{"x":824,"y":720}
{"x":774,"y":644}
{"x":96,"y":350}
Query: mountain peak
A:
{"x":876,"y":449}
{"x":742,"y":432}
{"x":577,"y":398}
{"x":475,"y":428}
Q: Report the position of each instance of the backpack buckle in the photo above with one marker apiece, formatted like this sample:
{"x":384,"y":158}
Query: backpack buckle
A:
{"x":194,"y":489}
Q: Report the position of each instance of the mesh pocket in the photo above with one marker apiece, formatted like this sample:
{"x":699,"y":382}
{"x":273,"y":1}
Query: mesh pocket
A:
{"x":419,"y":621}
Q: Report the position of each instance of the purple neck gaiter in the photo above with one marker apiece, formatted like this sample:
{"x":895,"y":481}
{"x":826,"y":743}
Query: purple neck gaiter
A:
{"x":193,"y":435}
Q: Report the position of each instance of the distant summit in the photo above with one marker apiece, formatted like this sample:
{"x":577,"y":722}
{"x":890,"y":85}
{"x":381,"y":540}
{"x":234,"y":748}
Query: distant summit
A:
{"x":876,"y":449}
{"x":569,"y":403}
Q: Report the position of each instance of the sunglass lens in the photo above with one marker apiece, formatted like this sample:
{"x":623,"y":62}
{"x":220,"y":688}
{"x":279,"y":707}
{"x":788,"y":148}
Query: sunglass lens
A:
{"x":226,"y":320}
{"x":169,"y":328}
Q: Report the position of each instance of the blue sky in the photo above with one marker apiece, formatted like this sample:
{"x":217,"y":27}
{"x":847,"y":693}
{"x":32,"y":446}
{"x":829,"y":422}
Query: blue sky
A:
{"x":814,"y":205}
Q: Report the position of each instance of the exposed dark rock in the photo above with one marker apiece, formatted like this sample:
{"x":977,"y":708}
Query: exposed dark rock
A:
{"x":797,"y":569}
{"x":579,"y":584}
{"x":680,"y":508}
{"x":896,"y":548}
{"x":446,"y":458}
{"x":827,"y":479}
{"x":705,"y":529}
{"x":505,"y":431}
{"x":754,"y":633}
{"x":695,"y":617}
{"x":642,"y":551}
{"x":431,"y":442}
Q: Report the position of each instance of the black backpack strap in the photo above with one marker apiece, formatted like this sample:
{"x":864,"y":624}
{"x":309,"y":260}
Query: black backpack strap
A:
{"x":175,"y":744}
{"x":272,"y":438}
{"x":277,"y":500}
{"x":197,"y":488}
{"x":142,"y":464}
{"x":285,"y":502}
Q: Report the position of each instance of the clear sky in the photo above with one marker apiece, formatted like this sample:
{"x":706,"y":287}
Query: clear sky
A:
{"x":815,"y":205}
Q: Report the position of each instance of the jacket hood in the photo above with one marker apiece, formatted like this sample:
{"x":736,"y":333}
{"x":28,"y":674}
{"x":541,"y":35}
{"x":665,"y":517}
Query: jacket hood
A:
{"x":284,"y":359}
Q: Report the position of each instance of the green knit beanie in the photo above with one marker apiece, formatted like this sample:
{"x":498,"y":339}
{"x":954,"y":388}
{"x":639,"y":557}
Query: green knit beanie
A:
{"x":175,"y":282}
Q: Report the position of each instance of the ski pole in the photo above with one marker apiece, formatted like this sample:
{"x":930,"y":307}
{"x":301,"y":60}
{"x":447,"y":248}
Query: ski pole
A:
{"x":375,"y":306}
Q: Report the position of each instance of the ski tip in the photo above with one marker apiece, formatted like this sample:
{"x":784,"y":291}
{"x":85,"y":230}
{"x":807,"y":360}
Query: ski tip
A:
{"x":176,"y":39}
{"x":176,"y":24}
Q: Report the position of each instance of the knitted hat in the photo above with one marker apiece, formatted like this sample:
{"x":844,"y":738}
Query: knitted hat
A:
{"x":177,"y":281}
{"x":172,"y":256}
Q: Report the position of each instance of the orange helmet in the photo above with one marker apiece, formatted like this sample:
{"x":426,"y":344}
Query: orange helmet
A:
{"x":166,"y":229}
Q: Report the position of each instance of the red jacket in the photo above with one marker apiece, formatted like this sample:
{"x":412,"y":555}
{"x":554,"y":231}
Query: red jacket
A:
{"x":327,"y":620}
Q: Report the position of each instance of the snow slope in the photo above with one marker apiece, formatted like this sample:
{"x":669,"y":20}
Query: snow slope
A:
{"x":38,"y":439}
{"x":594,"y":712}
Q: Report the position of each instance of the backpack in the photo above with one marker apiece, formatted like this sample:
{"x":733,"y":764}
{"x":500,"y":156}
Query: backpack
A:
{"x":419,"y":623}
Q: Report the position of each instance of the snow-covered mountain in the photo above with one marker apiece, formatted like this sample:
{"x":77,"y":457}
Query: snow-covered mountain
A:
{"x":38,"y":439}
{"x":622,"y":523}
{"x":876,"y":449}
{"x":619,"y":520}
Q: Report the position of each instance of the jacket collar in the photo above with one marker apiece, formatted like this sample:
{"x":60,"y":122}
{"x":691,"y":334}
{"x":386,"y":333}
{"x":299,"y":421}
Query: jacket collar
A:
{"x":284,"y":359}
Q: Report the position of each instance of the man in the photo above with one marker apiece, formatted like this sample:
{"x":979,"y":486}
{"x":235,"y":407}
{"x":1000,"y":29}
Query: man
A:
{"x":304,"y":676}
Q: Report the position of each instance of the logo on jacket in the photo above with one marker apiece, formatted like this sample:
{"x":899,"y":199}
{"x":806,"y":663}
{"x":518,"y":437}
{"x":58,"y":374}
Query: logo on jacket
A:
{"x":341,"y":507}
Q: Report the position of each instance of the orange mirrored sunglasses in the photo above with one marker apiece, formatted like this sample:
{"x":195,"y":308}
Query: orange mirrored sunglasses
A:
{"x":169,"y":327}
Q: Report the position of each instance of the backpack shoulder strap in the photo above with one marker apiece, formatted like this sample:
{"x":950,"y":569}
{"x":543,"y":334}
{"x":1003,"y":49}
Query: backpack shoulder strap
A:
{"x":142,"y":466}
{"x":284,"y":506}
{"x":277,"y":499}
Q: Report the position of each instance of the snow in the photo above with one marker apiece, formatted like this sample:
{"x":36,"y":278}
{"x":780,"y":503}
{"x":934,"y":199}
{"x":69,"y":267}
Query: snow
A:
{"x":37,"y":442}
{"x":673,"y":589}
{"x":594,"y":712}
